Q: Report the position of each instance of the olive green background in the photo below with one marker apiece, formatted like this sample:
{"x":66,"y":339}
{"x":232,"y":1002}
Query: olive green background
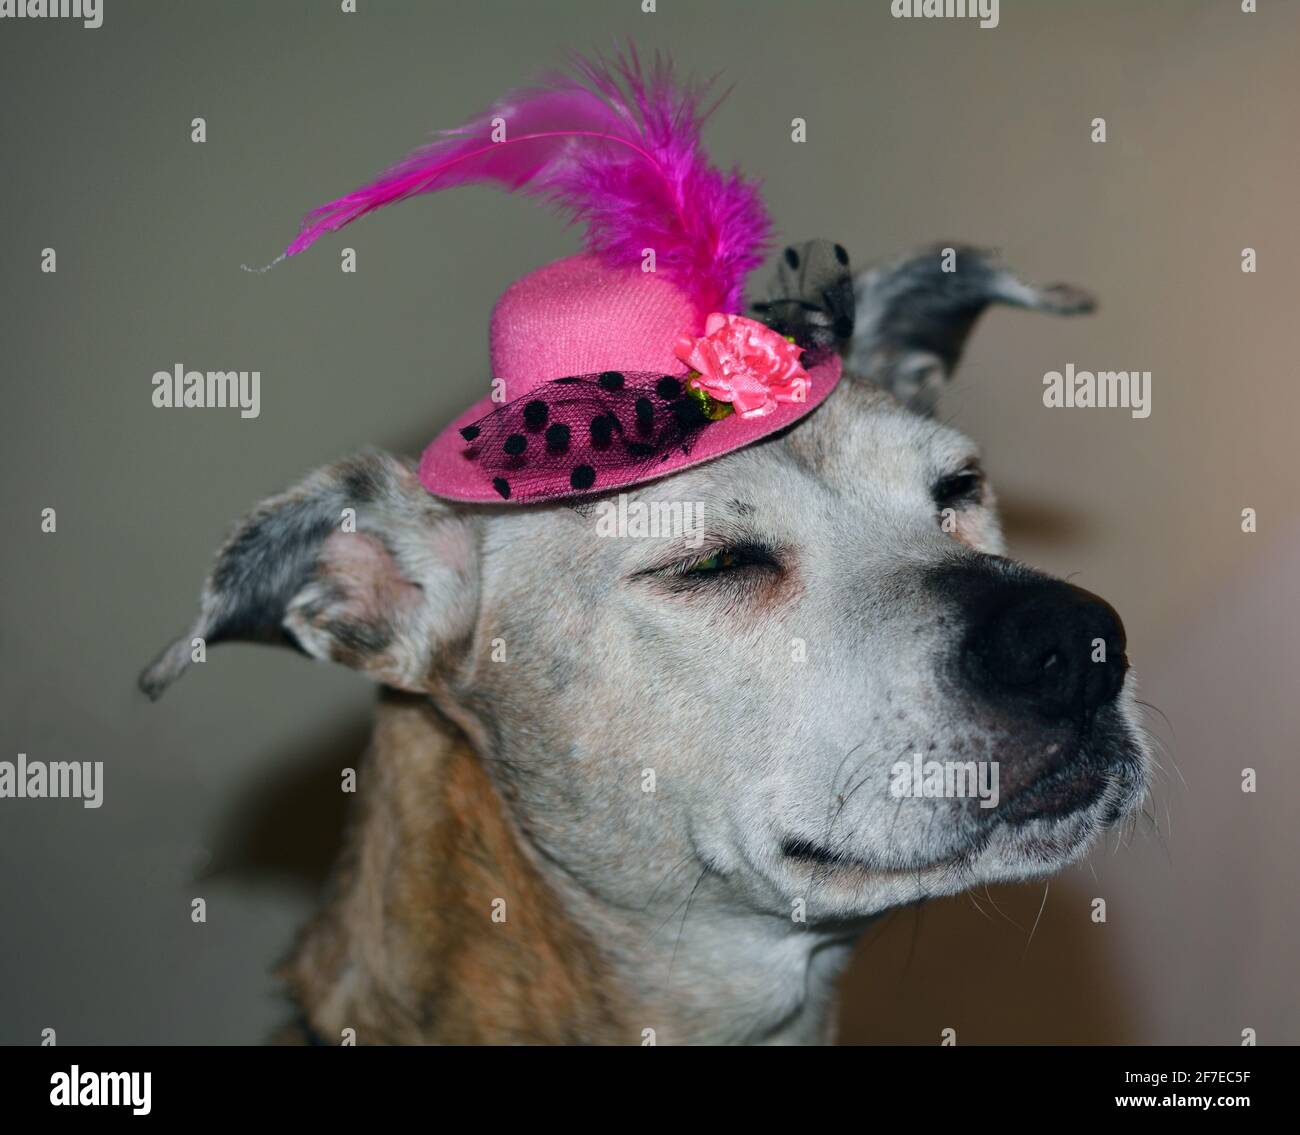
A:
{"x":917,"y":130}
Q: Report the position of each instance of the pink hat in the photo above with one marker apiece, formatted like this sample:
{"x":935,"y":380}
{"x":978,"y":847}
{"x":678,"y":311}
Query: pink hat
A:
{"x":630,"y":361}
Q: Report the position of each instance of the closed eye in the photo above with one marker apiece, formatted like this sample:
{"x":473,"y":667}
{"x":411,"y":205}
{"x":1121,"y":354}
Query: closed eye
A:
{"x":738,"y":571}
{"x":727,"y":561}
{"x":959,"y":490}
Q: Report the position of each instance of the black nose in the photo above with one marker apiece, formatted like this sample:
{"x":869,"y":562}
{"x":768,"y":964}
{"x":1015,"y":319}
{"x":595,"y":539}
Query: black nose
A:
{"x":1044,"y":646}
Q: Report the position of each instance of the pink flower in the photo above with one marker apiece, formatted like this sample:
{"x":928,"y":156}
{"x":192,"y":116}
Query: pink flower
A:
{"x":746,"y":363}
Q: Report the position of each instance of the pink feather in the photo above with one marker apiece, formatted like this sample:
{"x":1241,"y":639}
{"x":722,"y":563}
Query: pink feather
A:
{"x":615,"y":149}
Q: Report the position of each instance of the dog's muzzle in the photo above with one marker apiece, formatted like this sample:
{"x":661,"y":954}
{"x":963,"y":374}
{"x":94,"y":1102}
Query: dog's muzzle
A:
{"x":1042,"y":662}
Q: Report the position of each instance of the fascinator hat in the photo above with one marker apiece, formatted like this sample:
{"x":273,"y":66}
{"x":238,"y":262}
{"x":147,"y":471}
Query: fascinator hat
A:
{"x":632,"y":360}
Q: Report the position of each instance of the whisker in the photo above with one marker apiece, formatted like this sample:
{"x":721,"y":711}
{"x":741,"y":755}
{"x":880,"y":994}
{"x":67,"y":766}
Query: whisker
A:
{"x":682,"y":929}
{"x":1042,"y":906}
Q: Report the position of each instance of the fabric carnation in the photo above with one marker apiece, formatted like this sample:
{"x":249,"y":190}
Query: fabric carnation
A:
{"x":746,"y":363}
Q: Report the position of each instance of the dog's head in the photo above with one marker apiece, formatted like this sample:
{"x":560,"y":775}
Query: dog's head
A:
{"x":805,"y":666}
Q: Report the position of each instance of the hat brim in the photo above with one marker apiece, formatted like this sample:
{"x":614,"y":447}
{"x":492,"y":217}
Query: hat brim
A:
{"x":446,"y":470}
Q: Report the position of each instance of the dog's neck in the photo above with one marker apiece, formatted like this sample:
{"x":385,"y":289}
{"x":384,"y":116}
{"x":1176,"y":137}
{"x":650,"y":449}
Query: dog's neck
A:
{"x":446,"y":928}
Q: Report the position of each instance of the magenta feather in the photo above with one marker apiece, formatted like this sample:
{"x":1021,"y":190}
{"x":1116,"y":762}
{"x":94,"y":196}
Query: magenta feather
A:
{"x":615,"y":149}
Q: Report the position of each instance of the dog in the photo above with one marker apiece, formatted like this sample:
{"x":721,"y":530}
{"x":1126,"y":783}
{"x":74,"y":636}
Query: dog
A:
{"x":643,"y":791}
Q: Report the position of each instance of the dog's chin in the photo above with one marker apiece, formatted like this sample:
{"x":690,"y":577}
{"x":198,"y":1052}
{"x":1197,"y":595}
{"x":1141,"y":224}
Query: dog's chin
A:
{"x":1035,"y":844}
{"x":1046,"y":827}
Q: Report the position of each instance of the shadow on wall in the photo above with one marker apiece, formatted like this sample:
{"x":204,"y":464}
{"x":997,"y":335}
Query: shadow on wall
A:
{"x":968,"y":963}
{"x":289,"y":825}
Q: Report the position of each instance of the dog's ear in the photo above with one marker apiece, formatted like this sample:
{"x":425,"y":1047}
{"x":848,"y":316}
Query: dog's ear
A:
{"x":357,"y":564}
{"x":913,"y":318}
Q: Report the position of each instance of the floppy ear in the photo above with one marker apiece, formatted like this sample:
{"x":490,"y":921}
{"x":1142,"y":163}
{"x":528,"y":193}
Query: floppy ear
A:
{"x":357,"y":564}
{"x":914,"y":317}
